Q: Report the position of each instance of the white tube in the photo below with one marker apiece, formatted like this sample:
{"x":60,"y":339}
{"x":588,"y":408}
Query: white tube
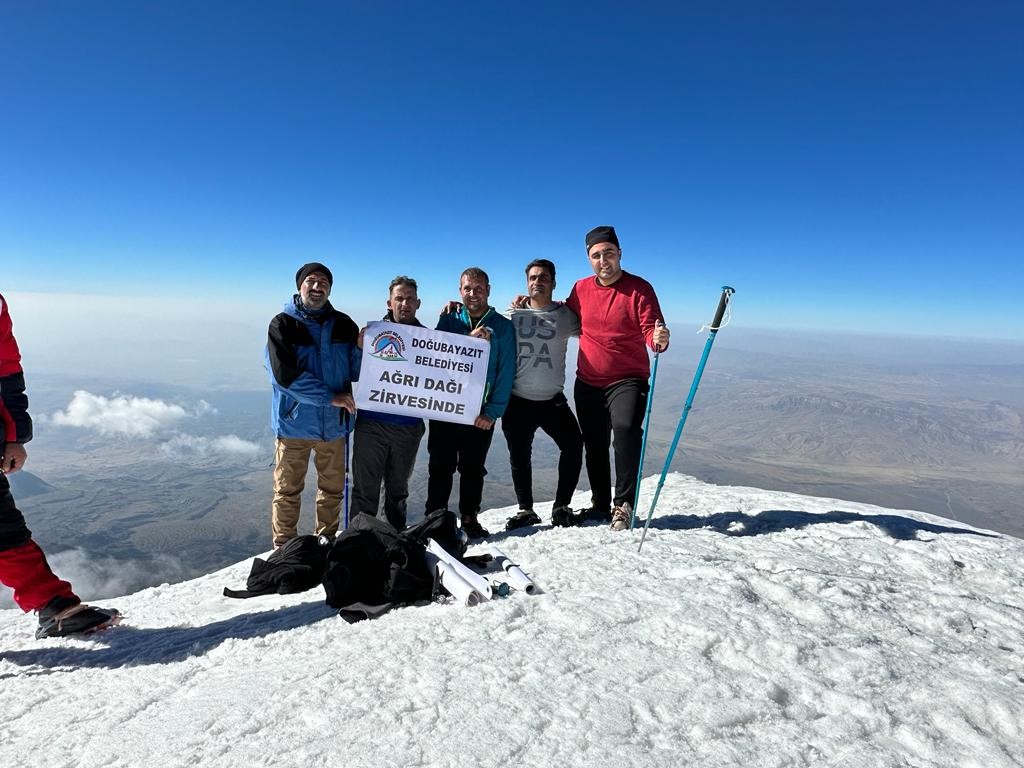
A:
{"x":450,"y":579}
{"x":517,"y":578}
{"x":480,"y":584}
{"x":457,"y":586}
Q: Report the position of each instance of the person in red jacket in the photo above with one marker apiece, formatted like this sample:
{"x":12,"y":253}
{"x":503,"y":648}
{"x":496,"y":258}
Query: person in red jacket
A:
{"x":23,"y":565}
{"x":620,"y":319}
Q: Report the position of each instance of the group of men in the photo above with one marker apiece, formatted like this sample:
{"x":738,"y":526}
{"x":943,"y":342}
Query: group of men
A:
{"x":314,"y":355}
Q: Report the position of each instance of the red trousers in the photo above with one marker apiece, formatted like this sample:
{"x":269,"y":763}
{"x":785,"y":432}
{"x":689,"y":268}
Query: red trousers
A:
{"x":25,"y":570}
{"x":23,"y":565}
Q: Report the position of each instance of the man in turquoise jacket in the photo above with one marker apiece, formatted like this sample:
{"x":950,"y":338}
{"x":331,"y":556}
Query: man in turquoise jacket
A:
{"x":464,"y":446}
{"x":313,"y":358}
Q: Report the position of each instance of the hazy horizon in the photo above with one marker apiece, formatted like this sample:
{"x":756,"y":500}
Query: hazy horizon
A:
{"x":193,"y":342}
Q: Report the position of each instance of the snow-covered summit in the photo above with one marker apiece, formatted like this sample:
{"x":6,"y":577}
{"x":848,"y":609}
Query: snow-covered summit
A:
{"x":756,"y":628}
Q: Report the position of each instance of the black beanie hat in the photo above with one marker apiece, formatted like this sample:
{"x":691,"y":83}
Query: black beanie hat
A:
{"x":602,"y":235}
{"x":313,"y":266}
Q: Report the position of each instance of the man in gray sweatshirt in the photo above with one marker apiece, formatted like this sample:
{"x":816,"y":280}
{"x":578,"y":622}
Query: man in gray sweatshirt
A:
{"x":543,"y":328}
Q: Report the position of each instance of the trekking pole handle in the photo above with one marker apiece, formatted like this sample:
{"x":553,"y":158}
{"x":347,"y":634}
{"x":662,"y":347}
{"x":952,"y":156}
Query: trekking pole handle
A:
{"x":722,"y":304}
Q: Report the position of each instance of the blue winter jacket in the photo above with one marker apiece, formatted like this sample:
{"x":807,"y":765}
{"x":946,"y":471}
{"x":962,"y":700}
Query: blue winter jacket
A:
{"x":310,"y":357}
{"x":501,"y":365}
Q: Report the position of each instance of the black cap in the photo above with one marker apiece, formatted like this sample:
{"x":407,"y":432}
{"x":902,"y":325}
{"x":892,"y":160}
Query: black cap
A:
{"x":602,"y":235}
{"x":313,"y":266}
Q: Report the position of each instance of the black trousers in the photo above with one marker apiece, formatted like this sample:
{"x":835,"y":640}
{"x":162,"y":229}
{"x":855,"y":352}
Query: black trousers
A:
{"x":13,"y":531}
{"x":616,"y":410}
{"x":385,"y":453}
{"x":461,"y":447}
{"x":520,"y":423}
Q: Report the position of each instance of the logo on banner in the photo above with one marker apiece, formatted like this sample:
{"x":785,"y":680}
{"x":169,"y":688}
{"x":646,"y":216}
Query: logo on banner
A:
{"x":388,"y":345}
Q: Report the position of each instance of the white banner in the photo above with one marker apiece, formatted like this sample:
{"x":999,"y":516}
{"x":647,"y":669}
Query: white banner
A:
{"x":413,"y":371}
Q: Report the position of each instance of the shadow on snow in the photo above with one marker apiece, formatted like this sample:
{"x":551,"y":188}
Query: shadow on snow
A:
{"x":769,"y":521}
{"x":778,"y":520}
{"x":128,"y":646}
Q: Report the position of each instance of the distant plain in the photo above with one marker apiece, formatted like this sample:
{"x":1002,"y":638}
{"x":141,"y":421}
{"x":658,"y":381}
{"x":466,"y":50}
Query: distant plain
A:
{"x":926,"y":424}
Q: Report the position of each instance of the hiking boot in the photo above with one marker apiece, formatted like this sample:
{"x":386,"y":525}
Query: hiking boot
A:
{"x":595,"y":515}
{"x":472,"y":528}
{"x":522,"y":519}
{"x":622,"y":515}
{"x":65,"y":616}
{"x":562,"y":517}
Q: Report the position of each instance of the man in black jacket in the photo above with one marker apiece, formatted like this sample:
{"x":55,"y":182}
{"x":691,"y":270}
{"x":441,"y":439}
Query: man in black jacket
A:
{"x":386,"y":444}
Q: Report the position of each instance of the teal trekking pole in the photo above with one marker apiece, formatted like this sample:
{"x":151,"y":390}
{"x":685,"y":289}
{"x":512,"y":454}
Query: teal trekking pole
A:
{"x":643,"y":443}
{"x":716,"y":324}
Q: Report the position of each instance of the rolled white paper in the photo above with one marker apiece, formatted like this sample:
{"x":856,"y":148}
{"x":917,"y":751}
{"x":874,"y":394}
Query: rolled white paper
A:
{"x":480,"y":584}
{"x":517,"y":578}
{"x":457,"y":586}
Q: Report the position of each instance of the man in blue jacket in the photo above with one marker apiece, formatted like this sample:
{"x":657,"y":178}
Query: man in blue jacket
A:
{"x":313,"y":358}
{"x":464,"y":446}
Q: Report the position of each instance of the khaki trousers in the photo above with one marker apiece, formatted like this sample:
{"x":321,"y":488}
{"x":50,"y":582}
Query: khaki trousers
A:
{"x":291,"y":464}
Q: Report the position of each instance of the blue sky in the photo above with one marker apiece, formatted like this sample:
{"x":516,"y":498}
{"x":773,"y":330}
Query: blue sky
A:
{"x":851,"y":166}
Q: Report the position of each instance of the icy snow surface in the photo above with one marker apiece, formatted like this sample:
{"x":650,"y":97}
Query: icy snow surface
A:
{"x":755,"y":629}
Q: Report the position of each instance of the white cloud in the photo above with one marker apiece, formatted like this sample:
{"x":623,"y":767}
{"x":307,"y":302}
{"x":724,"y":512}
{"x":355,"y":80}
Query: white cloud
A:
{"x":120,"y":414}
{"x":203,"y":408}
{"x":202,"y":447}
{"x":144,"y":417}
{"x":99,"y":578}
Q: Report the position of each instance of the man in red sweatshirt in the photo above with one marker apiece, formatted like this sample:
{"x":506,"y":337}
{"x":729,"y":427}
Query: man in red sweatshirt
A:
{"x":23,"y":566}
{"x":620,"y":319}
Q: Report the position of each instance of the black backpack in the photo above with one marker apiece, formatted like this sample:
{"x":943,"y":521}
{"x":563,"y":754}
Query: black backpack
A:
{"x":374,"y":564}
{"x":297,"y":565}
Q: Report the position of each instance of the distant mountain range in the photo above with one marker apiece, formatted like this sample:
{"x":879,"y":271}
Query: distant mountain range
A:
{"x":24,"y":484}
